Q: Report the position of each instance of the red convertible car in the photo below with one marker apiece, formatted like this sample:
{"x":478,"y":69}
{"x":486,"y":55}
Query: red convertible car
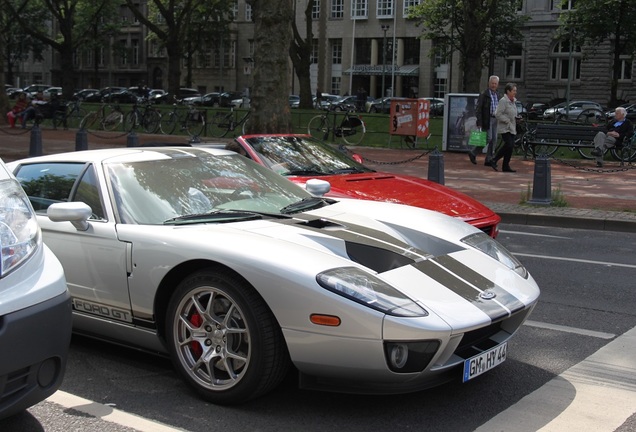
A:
{"x":301,"y":157}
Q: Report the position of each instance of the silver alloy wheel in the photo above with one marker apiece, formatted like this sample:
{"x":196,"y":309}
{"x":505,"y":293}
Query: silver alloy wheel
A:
{"x":213,"y":338}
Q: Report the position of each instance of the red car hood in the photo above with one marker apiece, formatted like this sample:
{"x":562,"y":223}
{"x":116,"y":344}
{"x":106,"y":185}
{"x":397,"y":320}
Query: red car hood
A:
{"x":414,"y":191}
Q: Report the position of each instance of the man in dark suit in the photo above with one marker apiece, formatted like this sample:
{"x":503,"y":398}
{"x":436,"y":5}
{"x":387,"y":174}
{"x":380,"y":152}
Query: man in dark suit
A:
{"x":618,"y":130}
{"x":485,"y":110}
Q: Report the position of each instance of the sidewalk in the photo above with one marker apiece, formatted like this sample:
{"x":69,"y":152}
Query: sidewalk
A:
{"x":603,"y":199}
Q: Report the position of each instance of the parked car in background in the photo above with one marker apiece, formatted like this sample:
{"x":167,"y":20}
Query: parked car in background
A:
{"x":437,"y":106}
{"x":535,"y":111}
{"x":570,"y":111}
{"x":154,"y":94}
{"x":349,"y":103}
{"x":103,"y":94}
{"x":294,"y":101}
{"x":349,"y":178}
{"x":169,"y":98}
{"x":82,"y":94}
{"x":631,"y":112}
{"x":12,"y":92}
{"x":52,"y":92}
{"x":124,"y":96}
{"x":226,"y":98}
{"x":241,"y":276}
{"x":381,"y":105}
{"x":521,"y":109}
{"x":35,"y":305}
{"x":34,"y":89}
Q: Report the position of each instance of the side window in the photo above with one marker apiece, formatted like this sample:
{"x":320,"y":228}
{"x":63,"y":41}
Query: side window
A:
{"x":88,"y":192}
{"x":49,"y":183}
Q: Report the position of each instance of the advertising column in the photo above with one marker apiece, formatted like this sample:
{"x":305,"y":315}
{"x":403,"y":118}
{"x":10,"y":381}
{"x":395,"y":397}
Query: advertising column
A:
{"x":459,"y":120}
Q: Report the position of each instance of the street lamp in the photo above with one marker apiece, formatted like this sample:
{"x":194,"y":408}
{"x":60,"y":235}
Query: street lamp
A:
{"x":385,"y":28}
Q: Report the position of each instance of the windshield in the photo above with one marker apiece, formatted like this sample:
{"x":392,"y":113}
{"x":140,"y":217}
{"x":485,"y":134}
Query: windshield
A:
{"x":303,"y":156}
{"x":196,"y":182}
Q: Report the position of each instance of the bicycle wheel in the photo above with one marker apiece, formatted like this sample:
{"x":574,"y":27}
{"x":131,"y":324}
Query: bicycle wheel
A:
{"x":151,"y":120}
{"x":89,"y":121}
{"x":352,"y":130}
{"x":219,"y":125}
{"x":544,"y":149}
{"x":75,"y":118}
{"x":592,"y":116}
{"x":195,"y":123}
{"x":245,"y":128}
{"x":624,"y":154}
{"x":586,"y":152}
{"x":318,"y":127}
{"x":168,"y":123}
{"x":112,"y":119}
{"x":131,"y":121}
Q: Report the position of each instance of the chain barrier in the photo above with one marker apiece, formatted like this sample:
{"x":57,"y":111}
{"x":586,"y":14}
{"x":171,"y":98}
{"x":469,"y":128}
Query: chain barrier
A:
{"x":96,"y":135}
{"x":18,"y":131}
{"x":344,"y":148}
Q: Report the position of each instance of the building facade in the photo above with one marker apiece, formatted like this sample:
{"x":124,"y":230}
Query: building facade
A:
{"x":368,"y":44}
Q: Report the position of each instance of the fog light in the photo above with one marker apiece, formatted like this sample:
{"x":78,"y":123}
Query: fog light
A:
{"x":399,"y":355}
{"x":408,"y":357}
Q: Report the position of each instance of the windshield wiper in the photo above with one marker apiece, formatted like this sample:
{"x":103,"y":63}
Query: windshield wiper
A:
{"x":305,"y":204}
{"x":306,"y":171}
{"x":218,"y":216}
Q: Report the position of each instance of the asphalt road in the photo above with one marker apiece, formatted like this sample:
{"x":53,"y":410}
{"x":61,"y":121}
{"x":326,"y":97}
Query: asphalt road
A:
{"x":564,"y":367}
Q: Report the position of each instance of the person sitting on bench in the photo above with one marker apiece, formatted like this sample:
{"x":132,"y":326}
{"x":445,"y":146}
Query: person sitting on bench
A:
{"x":617,"y":130}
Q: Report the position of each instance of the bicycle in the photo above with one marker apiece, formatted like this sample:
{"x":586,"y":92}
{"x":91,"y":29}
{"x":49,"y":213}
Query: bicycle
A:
{"x":70,"y":115}
{"x":147,"y":118}
{"x":108,"y":117}
{"x":222,"y":123}
{"x":351,"y":129}
{"x":193,"y":122}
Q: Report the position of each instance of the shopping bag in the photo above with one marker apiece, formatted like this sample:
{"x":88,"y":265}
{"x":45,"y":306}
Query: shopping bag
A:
{"x":477,"y":138}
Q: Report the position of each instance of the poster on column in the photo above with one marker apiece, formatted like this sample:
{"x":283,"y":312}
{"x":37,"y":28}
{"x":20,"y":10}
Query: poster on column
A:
{"x":459,"y":120}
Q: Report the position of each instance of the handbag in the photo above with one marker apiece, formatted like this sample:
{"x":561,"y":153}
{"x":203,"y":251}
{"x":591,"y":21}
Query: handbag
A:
{"x":477,"y":138}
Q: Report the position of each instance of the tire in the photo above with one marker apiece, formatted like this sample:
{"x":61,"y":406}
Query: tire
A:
{"x":624,"y":154}
{"x":545,"y":149}
{"x":223,"y":339}
{"x":151,"y":120}
{"x":318,"y":128}
{"x":219,"y":125}
{"x":592,"y":116}
{"x":168,"y":123}
{"x":354,"y":134}
{"x":245,"y":128}
{"x":112,"y":118}
{"x":89,"y":122}
{"x":195,"y":123}
{"x":585,"y":152}
{"x":131,"y":121}
{"x":74,"y":120}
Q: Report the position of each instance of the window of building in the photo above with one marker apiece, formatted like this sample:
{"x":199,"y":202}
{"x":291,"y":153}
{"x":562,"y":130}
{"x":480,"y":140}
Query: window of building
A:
{"x":124,"y":53}
{"x":411,"y":51}
{"x":563,"y":4}
{"x":407,"y":4}
{"x":362,"y":51}
{"x":234,"y":11}
{"x":513,"y":63}
{"x":359,"y":9}
{"x":89,"y":57}
{"x":562,"y":59}
{"x":335,"y":85}
{"x":315,"y":10}
{"x":337,"y":8}
{"x":76,"y":58}
{"x":224,"y":55}
{"x":336,"y":51}
{"x":385,"y":9}
{"x":135,"y":51}
{"x":101,"y":56}
{"x":439,"y":87}
{"x":248,"y":12}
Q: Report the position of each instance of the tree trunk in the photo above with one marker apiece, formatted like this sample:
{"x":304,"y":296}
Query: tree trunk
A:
{"x":270,"y":96}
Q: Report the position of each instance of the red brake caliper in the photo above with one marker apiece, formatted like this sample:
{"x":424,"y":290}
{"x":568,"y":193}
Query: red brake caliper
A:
{"x":195,"y":347}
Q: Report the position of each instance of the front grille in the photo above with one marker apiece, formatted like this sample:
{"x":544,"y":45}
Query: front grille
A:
{"x":477,"y":338}
{"x":13,"y":384}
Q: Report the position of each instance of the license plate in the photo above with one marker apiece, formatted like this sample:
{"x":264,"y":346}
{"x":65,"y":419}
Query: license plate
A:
{"x":485,"y":361}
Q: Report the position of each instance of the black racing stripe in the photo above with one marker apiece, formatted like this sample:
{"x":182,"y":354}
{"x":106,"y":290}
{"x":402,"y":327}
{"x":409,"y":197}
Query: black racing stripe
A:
{"x":356,"y":234}
{"x":504,"y":297}
{"x":462,"y":289}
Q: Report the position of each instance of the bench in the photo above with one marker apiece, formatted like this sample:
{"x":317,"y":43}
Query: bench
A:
{"x":545,"y":136}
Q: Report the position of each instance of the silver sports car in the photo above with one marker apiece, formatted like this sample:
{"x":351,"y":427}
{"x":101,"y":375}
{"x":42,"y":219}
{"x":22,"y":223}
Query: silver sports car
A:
{"x":239,"y":274}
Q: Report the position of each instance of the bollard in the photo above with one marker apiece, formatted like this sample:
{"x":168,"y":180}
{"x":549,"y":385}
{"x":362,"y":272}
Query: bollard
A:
{"x":542,"y":187}
{"x":436,"y":167}
{"x":132,"y":140}
{"x":35,"y":145}
{"x":81,"y":140}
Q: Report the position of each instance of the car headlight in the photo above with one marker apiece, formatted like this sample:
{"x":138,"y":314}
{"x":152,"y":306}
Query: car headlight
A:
{"x":494,"y":249}
{"x":19,"y":230}
{"x":364,"y":288}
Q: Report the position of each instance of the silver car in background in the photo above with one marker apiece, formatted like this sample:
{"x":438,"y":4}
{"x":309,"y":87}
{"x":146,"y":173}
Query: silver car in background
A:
{"x":35,"y":306}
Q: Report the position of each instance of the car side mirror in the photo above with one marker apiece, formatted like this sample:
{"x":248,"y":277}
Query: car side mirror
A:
{"x":317,"y":187}
{"x":76,"y":213}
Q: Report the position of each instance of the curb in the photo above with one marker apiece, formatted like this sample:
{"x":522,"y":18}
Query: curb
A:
{"x":590,"y":223}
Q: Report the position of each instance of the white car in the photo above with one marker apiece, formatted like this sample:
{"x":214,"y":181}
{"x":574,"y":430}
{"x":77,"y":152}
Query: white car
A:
{"x":239,"y":274}
{"x":35,"y":306}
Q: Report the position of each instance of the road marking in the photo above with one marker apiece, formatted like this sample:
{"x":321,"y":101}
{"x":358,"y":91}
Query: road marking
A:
{"x":534,"y":234}
{"x":109,"y":413}
{"x":567,"y":329}
{"x":595,"y":395}
{"x":609,"y":264}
